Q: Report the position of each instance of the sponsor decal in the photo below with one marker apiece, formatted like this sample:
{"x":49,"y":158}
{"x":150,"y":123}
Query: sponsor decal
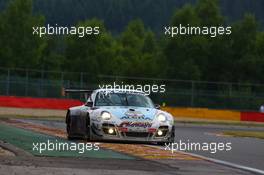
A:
{"x":135,"y":124}
{"x":134,"y":115}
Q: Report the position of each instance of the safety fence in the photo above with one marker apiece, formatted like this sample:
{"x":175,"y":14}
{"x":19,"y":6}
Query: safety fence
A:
{"x":179,"y":93}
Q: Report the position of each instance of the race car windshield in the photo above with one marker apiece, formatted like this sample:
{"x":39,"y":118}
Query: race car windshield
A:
{"x":123,"y":99}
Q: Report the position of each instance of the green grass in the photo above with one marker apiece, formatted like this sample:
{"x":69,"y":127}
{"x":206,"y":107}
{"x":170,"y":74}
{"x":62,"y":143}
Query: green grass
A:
{"x":254,"y":134}
{"x":25,"y":139}
{"x":55,"y":118}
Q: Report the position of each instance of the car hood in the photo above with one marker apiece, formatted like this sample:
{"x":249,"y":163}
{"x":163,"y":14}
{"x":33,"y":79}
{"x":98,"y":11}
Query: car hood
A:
{"x":132,"y":113}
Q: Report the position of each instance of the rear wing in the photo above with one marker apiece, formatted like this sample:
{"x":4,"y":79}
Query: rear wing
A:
{"x":86,"y":92}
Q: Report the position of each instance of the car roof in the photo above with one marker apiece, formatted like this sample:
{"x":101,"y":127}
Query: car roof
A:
{"x":119,"y":90}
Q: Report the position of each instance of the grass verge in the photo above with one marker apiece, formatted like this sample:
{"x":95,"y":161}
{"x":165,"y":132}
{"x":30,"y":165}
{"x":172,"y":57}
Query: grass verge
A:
{"x":55,"y":118}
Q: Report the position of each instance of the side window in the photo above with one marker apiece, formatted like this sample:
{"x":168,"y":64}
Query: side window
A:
{"x":101,"y":99}
{"x":89,"y":101}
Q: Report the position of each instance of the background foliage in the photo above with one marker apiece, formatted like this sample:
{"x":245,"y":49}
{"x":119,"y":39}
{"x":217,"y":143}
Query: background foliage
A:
{"x":132,"y":42}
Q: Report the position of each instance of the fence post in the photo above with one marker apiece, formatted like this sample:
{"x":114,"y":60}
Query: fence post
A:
{"x":62,"y":79}
{"x":68,"y":86}
{"x":8,"y":82}
{"x":230,"y":89}
{"x":42,"y":83}
{"x":26,"y":89}
{"x":192,"y":97}
{"x":81,"y":79}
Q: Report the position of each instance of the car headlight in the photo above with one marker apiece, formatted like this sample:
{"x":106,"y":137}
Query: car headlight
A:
{"x":105,"y":115}
{"x":161,"y":118}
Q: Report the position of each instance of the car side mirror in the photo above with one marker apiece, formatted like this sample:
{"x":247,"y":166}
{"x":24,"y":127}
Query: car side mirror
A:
{"x":157,"y":106}
{"x":89,"y":104}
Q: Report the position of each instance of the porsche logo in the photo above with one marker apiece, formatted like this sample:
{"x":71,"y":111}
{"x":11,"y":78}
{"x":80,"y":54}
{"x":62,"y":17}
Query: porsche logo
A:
{"x":133,"y":115}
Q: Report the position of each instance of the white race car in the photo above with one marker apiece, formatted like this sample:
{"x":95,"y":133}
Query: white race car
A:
{"x":119,"y":115}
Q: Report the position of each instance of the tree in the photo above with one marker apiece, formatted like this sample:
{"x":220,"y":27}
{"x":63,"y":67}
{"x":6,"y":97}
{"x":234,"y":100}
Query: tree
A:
{"x":209,"y":13}
{"x":181,"y":52}
{"x":244,"y":57}
{"x":140,"y":51}
{"x":18,"y":46}
{"x":92,"y":53}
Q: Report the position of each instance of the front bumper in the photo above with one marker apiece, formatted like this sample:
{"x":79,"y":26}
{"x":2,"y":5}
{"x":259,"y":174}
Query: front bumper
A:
{"x":134,"y":134}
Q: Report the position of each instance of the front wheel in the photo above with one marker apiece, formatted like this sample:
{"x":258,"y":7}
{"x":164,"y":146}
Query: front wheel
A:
{"x":172,"y":137}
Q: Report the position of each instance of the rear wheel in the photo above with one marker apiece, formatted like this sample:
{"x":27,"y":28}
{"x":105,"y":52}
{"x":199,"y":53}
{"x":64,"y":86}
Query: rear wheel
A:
{"x":68,"y":126}
{"x":70,"y":137}
{"x":88,"y":128}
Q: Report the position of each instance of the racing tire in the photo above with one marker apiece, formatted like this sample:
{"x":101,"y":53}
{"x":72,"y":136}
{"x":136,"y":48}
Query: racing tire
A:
{"x":88,"y":128}
{"x":161,"y":143}
{"x":70,"y":137}
{"x":68,"y":126}
{"x":171,"y":139}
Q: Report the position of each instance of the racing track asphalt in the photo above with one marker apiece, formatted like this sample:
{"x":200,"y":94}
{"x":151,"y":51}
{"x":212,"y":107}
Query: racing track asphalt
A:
{"x":245,"y":151}
{"x":27,"y":165}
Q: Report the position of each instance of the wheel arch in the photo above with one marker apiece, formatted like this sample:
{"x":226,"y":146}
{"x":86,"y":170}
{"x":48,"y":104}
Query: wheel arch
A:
{"x":67,"y":118}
